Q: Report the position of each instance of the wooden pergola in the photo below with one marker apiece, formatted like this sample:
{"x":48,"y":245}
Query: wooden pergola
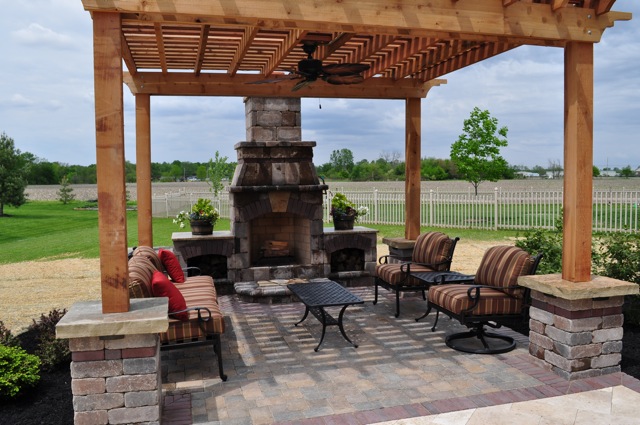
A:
{"x":217,"y":47}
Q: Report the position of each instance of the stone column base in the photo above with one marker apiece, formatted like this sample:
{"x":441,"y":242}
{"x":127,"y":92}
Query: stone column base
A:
{"x":576,"y":327}
{"x":115,"y":362}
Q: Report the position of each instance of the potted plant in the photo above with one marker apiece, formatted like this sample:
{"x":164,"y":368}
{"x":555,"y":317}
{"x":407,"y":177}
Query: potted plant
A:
{"x":344,"y":212}
{"x":202,"y":217}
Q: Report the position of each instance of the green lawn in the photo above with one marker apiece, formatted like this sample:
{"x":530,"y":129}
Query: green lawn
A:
{"x":50,"y":230}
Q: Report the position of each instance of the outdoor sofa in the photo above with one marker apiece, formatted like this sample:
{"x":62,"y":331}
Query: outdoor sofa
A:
{"x":195,"y":317}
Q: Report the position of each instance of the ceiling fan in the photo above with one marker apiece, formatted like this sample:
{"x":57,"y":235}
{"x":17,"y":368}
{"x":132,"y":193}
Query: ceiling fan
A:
{"x":310,"y":70}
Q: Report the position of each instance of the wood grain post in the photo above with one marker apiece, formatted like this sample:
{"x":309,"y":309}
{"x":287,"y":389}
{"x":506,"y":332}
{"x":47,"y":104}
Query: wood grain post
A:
{"x":412,"y":161}
{"x":143,"y":169}
{"x":578,"y":162}
{"x":112,"y":223}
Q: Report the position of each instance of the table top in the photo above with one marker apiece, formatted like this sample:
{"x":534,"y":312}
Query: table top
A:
{"x":448,"y":276}
{"x":323,"y":294}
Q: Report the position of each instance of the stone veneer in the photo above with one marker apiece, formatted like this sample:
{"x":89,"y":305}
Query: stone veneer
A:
{"x":576,"y":328}
{"x":115,"y":362}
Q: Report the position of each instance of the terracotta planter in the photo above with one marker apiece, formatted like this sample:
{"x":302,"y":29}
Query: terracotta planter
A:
{"x":343,"y":222}
{"x":201,"y":227}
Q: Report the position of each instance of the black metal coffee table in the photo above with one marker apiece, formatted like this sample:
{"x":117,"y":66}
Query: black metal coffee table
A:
{"x":318,"y":295}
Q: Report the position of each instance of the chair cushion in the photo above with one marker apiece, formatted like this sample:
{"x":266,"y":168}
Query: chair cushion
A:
{"x":502,"y":265}
{"x":196,"y":295}
{"x":151,"y":254}
{"x":392,"y":274}
{"x":432,"y":248}
{"x":140,"y":276}
{"x":162,"y":287}
{"x":453,"y":297}
{"x":171,"y":265}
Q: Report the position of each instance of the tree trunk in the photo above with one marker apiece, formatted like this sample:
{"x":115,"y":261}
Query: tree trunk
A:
{"x":1,"y":209}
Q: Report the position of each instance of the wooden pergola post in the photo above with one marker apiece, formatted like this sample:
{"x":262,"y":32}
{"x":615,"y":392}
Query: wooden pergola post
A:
{"x":412,"y":161}
{"x":578,"y":162}
{"x":112,"y":220}
{"x":143,"y":169}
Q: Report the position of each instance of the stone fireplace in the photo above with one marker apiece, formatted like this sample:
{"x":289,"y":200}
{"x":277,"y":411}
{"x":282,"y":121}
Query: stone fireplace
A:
{"x":277,"y":230}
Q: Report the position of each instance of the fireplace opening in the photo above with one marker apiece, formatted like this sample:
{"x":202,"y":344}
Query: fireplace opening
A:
{"x":212,"y":265}
{"x":278,"y":239}
{"x":347,"y":260}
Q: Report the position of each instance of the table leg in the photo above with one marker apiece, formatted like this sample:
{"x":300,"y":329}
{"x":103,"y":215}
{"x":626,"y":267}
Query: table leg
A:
{"x":306,"y":313}
{"x":344,"y":334}
{"x":323,"y":315}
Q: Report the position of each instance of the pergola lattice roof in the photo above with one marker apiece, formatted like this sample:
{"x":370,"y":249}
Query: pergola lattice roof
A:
{"x":215,"y":47}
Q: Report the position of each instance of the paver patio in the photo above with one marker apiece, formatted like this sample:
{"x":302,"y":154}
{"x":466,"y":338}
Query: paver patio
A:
{"x":400,"y":370}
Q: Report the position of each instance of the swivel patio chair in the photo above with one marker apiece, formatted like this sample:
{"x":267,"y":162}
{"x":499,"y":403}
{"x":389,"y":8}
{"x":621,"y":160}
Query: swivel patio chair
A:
{"x":433,"y":252}
{"x":490,"y":298}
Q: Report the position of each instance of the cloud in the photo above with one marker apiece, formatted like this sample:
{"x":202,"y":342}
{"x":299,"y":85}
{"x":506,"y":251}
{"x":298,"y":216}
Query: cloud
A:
{"x":36,"y":34}
{"x":21,"y":101}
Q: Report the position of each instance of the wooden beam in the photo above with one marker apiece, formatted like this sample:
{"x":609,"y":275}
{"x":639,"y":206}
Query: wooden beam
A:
{"x":160,"y":43}
{"x":578,"y":162}
{"x":437,"y":18}
{"x":209,"y":84}
{"x":143,"y":169}
{"x":247,"y":38}
{"x":112,"y":222}
{"x":289,"y":43}
{"x":202,"y":47}
{"x":412,"y":161}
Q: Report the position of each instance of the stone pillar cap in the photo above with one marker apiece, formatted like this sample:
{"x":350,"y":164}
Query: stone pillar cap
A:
{"x":597,"y":287}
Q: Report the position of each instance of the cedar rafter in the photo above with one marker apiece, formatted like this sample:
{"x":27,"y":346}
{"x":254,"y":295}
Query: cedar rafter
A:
{"x":202,"y":47}
{"x":160,"y":44}
{"x":247,"y":38}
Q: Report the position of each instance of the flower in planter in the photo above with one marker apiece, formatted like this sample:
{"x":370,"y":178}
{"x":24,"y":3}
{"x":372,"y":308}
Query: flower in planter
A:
{"x":341,"y":206}
{"x":201,"y":210}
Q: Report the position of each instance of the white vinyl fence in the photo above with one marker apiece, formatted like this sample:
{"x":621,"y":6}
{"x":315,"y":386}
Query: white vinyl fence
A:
{"x":521,"y":210}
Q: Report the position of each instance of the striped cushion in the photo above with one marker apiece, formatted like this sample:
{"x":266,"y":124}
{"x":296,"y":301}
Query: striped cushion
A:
{"x":140,"y":275}
{"x":432,"y":248}
{"x":151,"y":254}
{"x":453,"y":297}
{"x":502,"y":265}
{"x":193,"y":330}
{"x":198,"y":281}
{"x":392,"y":274}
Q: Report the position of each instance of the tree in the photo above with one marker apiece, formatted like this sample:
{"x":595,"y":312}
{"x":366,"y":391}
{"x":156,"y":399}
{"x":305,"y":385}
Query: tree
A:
{"x":555,"y":167}
{"x":626,"y":172}
{"x":596,"y":171}
{"x":342,"y":161}
{"x":216,"y":172}
{"x":65,"y":194}
{"x":13,"y":174}
{"x":476,"y":153}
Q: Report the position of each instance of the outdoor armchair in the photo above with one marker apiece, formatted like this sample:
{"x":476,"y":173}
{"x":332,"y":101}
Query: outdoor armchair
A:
{"x":491,"y":297}
{"x":433,"y":251}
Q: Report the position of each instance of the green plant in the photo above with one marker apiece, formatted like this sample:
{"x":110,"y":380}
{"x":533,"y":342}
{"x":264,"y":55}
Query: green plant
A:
{"x":51,"y":351}
{"x":65,"y":194}
{"x":18,"y":370}
{"x":216,"y":172}
{"x":201,"y":210}
{"x":618,"y":256}
{"x":340,"y":205}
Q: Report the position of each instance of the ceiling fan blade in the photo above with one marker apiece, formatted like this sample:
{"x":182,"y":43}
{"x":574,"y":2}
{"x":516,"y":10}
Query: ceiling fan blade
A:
{"x":302,"y":84}
{"x":277,"y":79}
{"x":344,"y":79}
{"x":344,"y":68}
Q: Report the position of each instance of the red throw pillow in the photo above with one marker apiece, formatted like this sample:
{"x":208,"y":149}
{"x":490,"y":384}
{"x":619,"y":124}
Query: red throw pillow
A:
{"x":162,"y":287}
{"x":172,"y":265}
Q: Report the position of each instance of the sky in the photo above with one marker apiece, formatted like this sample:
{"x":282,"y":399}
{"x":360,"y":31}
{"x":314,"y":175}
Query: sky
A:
{"x":47,"y":107}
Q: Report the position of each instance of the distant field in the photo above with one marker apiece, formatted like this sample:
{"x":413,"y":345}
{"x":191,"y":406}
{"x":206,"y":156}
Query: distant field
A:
{"x":85,"y":192}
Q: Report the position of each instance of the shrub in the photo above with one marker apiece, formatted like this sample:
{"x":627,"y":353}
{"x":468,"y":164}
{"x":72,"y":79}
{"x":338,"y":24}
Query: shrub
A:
{"x":6,"y":338}
{"x":52,"y":351}
{"x":18,"y":370}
